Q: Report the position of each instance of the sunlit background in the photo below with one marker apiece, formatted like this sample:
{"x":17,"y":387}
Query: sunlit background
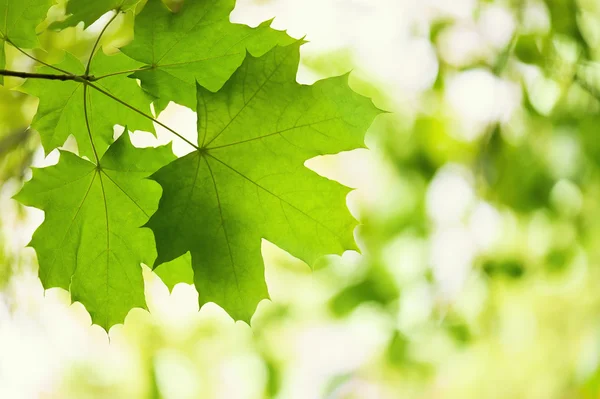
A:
{"x":479,"y":199}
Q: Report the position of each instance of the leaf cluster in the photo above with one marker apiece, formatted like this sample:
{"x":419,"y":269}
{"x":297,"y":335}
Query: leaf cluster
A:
{"x":199,"y":218}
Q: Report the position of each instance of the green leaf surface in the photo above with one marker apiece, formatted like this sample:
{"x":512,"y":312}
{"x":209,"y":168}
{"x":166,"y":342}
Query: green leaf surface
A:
{"x":198,"y":43}
{"x":248,"y":180}
{"x":88,"y":11}
{"x":176,"y":271}
{"x":18,"y":20}
{"x":2,"y":58}
{"x":90,"y":241}
{"x":61,"y":111}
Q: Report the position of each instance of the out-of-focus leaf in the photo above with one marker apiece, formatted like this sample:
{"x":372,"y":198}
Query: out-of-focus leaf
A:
{"x":88,"y":11}
{"x":377,"y":286}
{"x":527,"y":49}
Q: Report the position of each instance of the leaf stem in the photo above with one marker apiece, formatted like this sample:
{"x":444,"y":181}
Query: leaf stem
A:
{"x":85,"y":91}
{"x":88,"y":83}
{"x":121,"y":72}
{"x":87,"y":124}
{"x":89,"y":63}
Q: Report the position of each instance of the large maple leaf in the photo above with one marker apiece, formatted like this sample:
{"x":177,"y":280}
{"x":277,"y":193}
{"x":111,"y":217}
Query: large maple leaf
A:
{"x":248,"y":181}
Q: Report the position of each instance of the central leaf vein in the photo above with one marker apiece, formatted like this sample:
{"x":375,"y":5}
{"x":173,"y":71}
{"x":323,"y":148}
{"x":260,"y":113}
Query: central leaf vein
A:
{"x":260,"y":88}
{"x":237,"y":284}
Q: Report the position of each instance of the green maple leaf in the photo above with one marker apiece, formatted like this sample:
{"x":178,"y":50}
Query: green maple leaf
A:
{"x":198,"y":43}
{"x":18,"y":20}
{"x":248,"y":180}
{"x":90,"y":242}
{"x":88,"y":12}
{"x":61,"y":109}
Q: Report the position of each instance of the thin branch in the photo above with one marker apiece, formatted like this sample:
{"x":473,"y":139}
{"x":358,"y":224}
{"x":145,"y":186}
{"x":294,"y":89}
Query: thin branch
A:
{"x":47,"y":76}
{"x":87,"y":83}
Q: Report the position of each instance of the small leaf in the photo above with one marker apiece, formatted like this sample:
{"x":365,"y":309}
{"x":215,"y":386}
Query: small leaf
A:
{"x":90,"y":242}
{"x":198,"y":43}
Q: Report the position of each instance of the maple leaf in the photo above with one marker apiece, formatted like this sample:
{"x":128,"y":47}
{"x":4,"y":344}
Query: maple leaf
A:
{"x":18,"y":20}
{"x":88,"y":12}
{"x":61,"y":109}
{"x":248,"y":181}
{"x":91,"y":242}
{"x":198,"y":43}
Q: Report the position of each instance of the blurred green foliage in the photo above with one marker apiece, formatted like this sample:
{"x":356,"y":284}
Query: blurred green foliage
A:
{"x":523,"y":322}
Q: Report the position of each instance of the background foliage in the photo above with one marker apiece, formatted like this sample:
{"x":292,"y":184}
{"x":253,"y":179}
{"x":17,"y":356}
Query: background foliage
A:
{"x":479,"y":197}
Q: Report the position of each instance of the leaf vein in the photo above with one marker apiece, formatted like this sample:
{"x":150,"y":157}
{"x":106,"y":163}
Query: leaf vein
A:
{"x":224,"y":228}
{"x":278,"y":197}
